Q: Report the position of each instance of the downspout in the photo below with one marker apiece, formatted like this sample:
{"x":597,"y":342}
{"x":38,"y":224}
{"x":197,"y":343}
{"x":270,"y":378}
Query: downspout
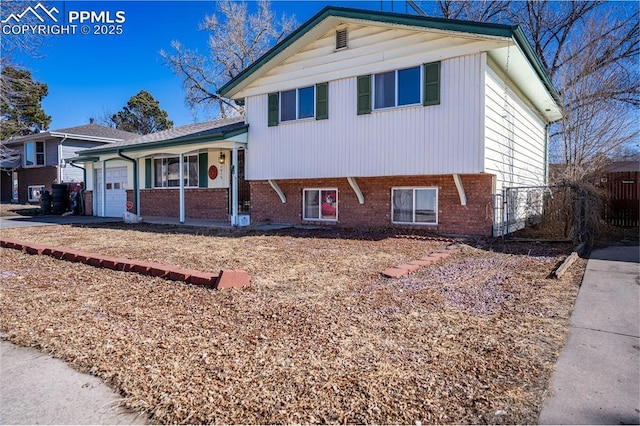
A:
{"x":60,"y":159}
{"x":546,"y":153}
{"x":135,"y":179}
{"x":84,"y":184}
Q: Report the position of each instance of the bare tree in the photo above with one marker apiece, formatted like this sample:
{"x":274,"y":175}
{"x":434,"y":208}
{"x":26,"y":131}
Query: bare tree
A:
{"x":237,"y":39}
{"x":481,"y":10}
{"x":590,"y":50}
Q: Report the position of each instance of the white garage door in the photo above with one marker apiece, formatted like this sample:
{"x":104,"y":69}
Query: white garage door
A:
{"x":116,"y":192}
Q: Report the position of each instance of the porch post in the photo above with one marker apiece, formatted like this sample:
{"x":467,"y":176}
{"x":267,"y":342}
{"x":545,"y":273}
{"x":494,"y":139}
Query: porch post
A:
{"x":103,"y":208}
{"x":181,"y":165}
{"x":234,"y":186}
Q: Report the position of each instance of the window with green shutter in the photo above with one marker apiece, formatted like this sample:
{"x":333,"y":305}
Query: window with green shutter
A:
{"x":273,"y":109}
{"x":322,"y":101}
{"x":431,"y":84}
{"x":364,"y":94}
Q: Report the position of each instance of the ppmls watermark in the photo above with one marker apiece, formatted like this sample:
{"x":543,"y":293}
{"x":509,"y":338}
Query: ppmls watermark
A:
{"x":40,"y":20}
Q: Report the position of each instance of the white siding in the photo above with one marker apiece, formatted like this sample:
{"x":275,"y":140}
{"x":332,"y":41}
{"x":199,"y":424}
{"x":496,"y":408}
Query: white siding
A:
{"x":371,"y":49}
{"x":441,"y":139}
{"x":514,"y":137}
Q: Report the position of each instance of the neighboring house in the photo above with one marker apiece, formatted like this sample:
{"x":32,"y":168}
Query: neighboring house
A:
{"x":184,"y":173}
{"x":42,"y":159}
{"x":363,"y":118}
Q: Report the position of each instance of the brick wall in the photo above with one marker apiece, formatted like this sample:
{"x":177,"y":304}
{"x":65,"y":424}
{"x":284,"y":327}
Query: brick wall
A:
{"x":212,"y":204}
{"x":476,"y":218}
{"x":35,"y":176}
{"x":88,"y":203}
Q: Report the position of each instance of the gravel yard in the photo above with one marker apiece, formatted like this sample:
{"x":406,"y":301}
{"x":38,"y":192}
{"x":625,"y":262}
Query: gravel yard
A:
{"x":320,"y":337}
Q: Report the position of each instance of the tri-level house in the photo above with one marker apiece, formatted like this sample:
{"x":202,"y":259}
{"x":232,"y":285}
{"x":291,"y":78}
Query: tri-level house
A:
{"x":42,"y":159}
{"x":363,"y":118}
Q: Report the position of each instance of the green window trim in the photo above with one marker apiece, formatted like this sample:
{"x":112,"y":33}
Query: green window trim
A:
{"x":364,"y":94}
{"x":203,"y":170}
{"x":431,"y":84}
{"x":274,"y":106}
{"x":147,"y":174}
{"x":322,"y":101}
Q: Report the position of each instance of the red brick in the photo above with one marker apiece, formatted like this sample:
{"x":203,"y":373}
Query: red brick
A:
{"x":409,"y":267}
{"x":57,"y":252}
{"x":394,"y":272}
{"x":158,"y":270}
{"x":178,"y":274}
{"x":140,"y":267}
{"x":115,"y":263}
{"x":34,"y":248}
{"x":233,"y":278}
{"x":95,"y":260}
{"x":421,"y":262}
{"x":200,"y":203}
{"x":11,"y":243}
{"x":203,"y":278}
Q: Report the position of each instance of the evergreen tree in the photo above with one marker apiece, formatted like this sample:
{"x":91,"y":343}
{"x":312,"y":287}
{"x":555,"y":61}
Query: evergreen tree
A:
{"x":21,"y":111}
{"x":142,"y":115}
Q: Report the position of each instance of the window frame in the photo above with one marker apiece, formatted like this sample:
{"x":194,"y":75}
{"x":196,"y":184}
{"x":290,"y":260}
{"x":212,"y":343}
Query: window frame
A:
{"x":35,"y":153}
{"x":320,"y":218}
{"x":30,"y":191}
{"x":297,"y":106}
{"x":413,"y":207}
{"x":188,"y":183}
{"x":395,"y":72}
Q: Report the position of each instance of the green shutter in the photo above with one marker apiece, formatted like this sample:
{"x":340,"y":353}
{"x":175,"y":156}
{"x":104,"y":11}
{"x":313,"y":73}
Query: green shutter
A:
{"x":147,"y":173}
{"x":322,"y":101}
{"x":203,"y":170}
{"x":431,"y":84}
{"x":273,"y":109}
{"x":364,"y":94}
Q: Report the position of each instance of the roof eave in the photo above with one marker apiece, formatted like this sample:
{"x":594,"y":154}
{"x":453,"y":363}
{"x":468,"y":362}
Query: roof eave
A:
{"x":179,"y":141}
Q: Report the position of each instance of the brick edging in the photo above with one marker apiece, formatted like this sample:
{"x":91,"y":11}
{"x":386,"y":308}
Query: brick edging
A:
{"x":407,"y":268}
{"x":227,"y":278}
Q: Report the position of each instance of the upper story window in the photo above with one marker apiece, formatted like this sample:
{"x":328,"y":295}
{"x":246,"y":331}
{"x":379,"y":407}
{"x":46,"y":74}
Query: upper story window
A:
{"x":298,"y":104}
{"x":408,"y":86}
{"x":33,"y":154}
{"x":397,"y":88}
{"x":167,"y":171}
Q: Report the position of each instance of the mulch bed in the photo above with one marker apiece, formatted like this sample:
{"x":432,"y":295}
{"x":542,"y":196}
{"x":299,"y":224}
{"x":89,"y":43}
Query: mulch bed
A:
{"x":320,"y":337}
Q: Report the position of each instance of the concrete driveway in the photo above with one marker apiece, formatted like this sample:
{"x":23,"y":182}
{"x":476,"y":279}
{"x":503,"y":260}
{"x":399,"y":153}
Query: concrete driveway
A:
{"x":26,"y":221}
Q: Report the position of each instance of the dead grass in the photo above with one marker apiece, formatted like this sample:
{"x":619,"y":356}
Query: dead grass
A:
{"x":10,"y":209}
{"x":319,"y":338}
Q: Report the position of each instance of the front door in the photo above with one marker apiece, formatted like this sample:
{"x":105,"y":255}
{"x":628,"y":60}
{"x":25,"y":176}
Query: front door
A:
{"x":244,"y":191}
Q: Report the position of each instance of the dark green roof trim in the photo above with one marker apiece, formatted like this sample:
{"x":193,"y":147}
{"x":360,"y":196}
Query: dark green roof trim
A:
{"x":480,"y":28}
{"x":181,"y":141}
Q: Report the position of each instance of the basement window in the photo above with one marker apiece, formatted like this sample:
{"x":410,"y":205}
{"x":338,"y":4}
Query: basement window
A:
{"x":320,"y":204}
{"x":341,"y":39}
{"x":417,"y":206}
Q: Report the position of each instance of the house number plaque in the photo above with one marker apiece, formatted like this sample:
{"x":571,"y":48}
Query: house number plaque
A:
{"x":213,"y":172}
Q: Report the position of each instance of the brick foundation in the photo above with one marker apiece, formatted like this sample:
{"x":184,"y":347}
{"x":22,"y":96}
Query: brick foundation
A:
{"x":476,"y":218}
{"x":212,"y":204}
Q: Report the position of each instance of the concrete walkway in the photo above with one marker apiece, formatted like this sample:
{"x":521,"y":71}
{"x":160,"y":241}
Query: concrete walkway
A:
{"x":597,"y":377}
{"x":38,"y":389}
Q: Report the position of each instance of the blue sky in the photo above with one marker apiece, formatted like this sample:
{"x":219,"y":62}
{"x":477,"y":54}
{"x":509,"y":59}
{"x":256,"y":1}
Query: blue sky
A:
{"x":89,"y":75}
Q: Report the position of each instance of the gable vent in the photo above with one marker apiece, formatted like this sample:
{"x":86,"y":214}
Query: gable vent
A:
{"x":341,"y":39}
